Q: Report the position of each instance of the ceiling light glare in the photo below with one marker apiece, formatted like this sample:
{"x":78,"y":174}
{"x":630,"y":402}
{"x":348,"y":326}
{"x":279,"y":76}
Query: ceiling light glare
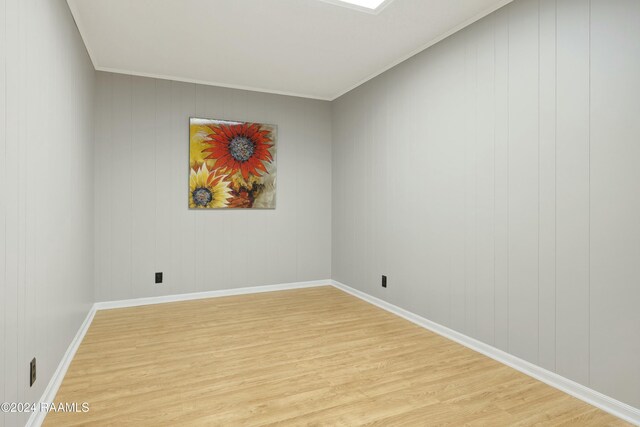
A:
{"x":372,"y":6}
{"x":369,"y":4}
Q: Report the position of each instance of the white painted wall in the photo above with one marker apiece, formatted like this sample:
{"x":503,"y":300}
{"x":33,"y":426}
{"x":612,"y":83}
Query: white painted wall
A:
{"x":46,"y":192}
{"x":494,"y":178}
{"x":143,"y":223}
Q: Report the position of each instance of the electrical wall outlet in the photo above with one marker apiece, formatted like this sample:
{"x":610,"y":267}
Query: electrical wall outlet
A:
{"x":384,"y":281}
{"x":32,"y":372}
{"x":159,"y":277}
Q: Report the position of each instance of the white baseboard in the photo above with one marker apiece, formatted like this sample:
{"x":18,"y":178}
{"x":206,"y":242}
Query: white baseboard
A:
{"x":209,"y":294}
{"x":37,"y":417}
{"x":606,"y":403}
{"x":597,"y":399}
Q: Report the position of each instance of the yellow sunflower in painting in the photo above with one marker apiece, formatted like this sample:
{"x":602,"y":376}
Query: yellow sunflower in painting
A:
{"x":198,"y":134}
{"x":208,"y":190}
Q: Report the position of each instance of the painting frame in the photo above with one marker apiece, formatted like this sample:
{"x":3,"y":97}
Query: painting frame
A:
{"x":232,"y":164}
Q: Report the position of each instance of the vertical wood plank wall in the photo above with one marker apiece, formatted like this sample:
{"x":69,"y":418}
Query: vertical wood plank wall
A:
{"x":3,"y":203}
{"x":46,"y":193}
{"x":494,"y":179}
{"x":572,"y":186}
{"x":614,"y":292}
{"x":143,"y":223}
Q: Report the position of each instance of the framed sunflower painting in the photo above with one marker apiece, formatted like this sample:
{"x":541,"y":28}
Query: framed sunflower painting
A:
{"x":232,"y":164}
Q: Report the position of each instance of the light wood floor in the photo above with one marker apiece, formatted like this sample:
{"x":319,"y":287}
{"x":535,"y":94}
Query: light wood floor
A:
{"x":313,"y":356}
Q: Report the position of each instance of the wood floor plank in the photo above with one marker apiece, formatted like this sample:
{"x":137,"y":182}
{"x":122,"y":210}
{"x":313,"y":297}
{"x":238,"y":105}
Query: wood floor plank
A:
{"x":314,"y":356}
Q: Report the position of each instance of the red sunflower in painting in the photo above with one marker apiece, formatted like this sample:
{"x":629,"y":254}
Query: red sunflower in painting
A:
{"x":240,"y":147}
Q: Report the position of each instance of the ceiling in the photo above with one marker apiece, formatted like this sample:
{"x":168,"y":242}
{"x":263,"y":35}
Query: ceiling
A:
{"x":309,"y":48}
